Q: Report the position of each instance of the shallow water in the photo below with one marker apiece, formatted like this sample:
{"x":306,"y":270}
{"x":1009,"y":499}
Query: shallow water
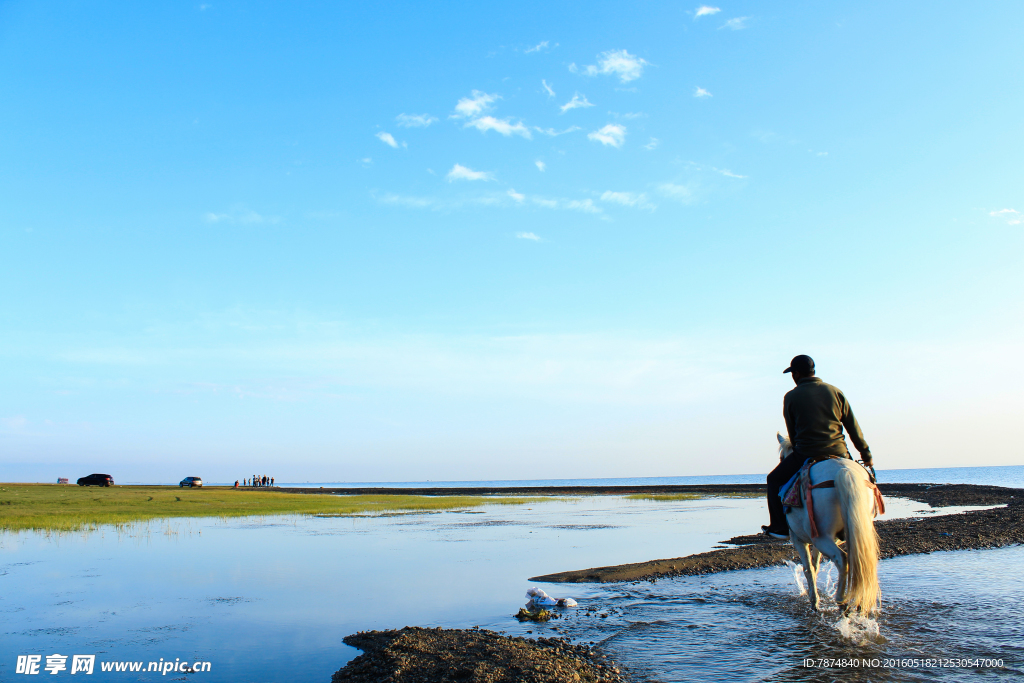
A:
{"x":271,"y":599}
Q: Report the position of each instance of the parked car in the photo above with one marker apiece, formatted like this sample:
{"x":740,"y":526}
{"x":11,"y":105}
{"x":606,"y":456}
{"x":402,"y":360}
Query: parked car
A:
{"x":190,"y":482}
{"x":96,"y":480}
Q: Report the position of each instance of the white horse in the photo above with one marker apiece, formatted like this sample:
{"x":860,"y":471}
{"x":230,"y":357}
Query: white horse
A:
{"x":845,"y":508}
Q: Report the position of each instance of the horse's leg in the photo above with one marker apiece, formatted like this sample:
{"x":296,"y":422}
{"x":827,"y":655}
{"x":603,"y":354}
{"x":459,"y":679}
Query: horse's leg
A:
{"x":810,"y":571}
{"x":833,"y":552}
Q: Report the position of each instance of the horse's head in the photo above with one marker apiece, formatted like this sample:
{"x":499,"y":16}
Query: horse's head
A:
{"x":785,"y":447}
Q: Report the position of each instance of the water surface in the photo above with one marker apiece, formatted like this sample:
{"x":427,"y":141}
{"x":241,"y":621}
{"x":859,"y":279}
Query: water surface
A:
{"x":270,"y":599}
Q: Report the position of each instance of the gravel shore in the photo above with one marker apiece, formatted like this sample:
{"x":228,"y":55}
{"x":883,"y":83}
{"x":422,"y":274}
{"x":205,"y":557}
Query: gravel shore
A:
{"x":434,"y":655}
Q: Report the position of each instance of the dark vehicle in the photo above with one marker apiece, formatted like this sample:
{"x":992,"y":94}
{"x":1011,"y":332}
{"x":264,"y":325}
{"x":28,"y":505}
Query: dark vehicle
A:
{"x":190,"y":482}
{"x":96,"y":480}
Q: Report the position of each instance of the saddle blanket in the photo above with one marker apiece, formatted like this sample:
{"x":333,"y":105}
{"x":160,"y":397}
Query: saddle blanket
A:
{"x":792,"y":493}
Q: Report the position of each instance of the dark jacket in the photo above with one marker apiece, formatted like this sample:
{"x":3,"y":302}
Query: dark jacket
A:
{"x":815,"y":415}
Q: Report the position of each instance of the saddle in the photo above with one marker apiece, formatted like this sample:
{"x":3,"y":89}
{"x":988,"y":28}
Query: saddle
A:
{"x":797,"y":491}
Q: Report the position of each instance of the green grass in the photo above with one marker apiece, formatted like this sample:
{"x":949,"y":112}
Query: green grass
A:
{"x":55,"y":507}
{"x":690,"y":496}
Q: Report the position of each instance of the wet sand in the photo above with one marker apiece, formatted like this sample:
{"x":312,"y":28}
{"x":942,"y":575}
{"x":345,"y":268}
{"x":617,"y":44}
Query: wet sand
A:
{"x":964,"y":531}
{"x":448,"y":655}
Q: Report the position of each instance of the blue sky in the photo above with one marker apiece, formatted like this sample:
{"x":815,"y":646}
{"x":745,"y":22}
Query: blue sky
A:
{"x":342,"y":242}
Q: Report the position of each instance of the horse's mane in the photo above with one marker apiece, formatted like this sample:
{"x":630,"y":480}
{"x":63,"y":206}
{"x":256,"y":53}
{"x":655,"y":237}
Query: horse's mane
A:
{"x":785,"y":446}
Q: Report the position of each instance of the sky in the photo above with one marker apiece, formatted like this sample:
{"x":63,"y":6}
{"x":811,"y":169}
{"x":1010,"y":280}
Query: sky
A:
{"x":412,"y":241}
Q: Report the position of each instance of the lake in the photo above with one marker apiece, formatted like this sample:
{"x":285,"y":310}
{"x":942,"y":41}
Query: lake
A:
{"x":270,"y":599}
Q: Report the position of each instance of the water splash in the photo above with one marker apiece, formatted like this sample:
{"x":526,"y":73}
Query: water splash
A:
{"x":798,"y":576}
{"x":859,"y":630}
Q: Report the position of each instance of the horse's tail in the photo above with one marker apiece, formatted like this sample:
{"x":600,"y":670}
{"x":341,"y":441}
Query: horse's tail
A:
{"x":857,"y":503}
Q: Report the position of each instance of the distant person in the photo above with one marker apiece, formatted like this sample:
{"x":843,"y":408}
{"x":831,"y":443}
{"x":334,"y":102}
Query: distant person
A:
{"x":271,"y":481}
{"x":815,"y":415}
{"x":236,"y":483}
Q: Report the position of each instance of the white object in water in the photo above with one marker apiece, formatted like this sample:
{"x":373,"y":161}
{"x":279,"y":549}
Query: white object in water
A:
{"x":539,"y":600}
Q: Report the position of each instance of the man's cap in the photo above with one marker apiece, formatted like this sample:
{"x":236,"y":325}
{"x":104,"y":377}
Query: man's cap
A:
{"x":802,"y":364}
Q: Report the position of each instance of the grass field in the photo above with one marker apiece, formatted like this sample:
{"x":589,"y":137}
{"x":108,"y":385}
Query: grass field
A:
{"x":55,"y":507}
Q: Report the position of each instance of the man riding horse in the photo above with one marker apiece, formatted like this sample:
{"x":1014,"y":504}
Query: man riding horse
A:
{"x":815,"y":414}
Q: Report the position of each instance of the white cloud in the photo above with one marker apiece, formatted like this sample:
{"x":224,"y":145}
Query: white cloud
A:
{"x":701,"y":92}
{"x":617,"y":62}
{"x":573,"y":68}
{"x":528,"y":236}
{"x":706,"y":10}
{"x":736,"y":24}
{"x":18,"y":422}
{"x":366,"y":161}
{"x":652,"y":144}
{"x":548,"y":88}
{"x":478,"y":103}
{"x":503,"y":126}
{"x":679,"y":193}
{"x":240,"y":215}
{"x":1012,"y":216}
{"x":538,"y":47}
{"x":576,"y":102}
{"x":552,"y":132}
{"x":613,"y":134}
{"x":541,"y":166}
{"x":582,"y":205}
{"x":413,"y":202}
{"x":637,"y":199}
{"x":415,"y":120}
{"x":516,"y":196}
{"x":387,"y":139}
{"x":727,"y":173}
{"x":460,"y":172}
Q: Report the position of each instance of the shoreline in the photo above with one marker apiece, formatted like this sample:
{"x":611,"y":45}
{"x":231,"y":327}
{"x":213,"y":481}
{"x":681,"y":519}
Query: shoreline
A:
{"x":415,"y":654}
{"x":973,"y":530}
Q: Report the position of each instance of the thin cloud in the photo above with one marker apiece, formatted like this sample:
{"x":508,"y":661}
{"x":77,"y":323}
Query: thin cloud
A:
{"x":736,"y":24}
{"x":541,"y":166}
{"x":727,"y":173}
{"x":706,"y":10}
{"x":553,"y":133}
{"x":548,"y":88}
{"x":503,"y":126}
{"x":652,"y":144}
{"x":581,"y":205}
{"x":537,"y":48}
{"x":460,"y":172}
{"x":701,"y":92}
{"x":516,"y":196}
{"x":618,"y":63}
{"x":366,"y":161}
{"x":1012,"y":216}
{"x":415,"y":120}
{"x":528,"y":236}
{"x":239,"y":215}
{"x":613,"y":134}
{"x":679,"y":193}
{"x":576,"y":102}
{"x":474,"y":105}
{"x":387,"y":139}
{"x":634,"y":199}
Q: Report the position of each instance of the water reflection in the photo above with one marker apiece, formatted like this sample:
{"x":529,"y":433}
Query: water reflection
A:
{"x":270,"y":599}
